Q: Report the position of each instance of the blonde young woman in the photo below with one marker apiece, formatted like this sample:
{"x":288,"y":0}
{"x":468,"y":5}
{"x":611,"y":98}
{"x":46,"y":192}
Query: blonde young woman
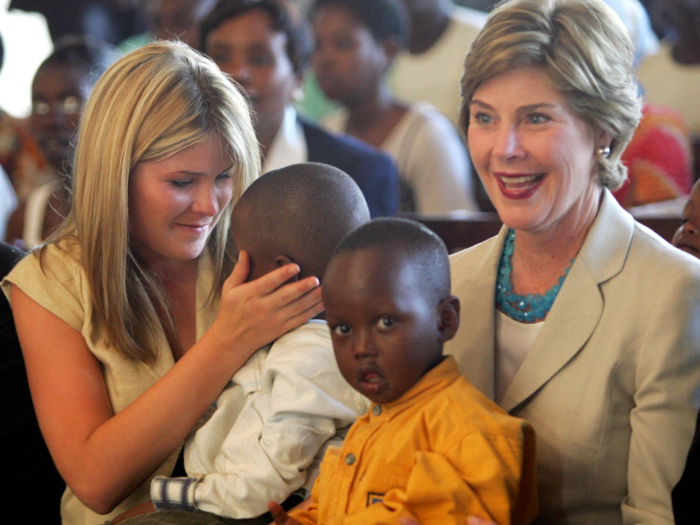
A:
{"x":133,"y":317}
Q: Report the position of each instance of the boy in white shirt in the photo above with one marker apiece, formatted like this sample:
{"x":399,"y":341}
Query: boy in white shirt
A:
{"x":271,"y":424}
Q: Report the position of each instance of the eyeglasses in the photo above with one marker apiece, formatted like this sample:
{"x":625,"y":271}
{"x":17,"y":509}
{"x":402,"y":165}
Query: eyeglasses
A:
{"x":67,"y":106}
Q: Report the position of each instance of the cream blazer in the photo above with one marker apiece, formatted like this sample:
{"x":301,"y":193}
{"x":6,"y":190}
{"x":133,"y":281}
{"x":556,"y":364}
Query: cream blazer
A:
{"x":609,"y":382}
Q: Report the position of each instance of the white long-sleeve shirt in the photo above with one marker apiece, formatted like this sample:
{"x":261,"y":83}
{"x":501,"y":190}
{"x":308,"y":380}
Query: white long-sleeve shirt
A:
{"x":269,"y":429}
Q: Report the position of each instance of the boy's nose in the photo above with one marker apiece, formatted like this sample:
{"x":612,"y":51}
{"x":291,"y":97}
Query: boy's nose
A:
{"x":364,"y":346}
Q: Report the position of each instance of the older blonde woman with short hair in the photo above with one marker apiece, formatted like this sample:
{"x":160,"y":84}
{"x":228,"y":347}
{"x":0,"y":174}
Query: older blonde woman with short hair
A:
{"x":133,"y":318}
{"x":580,"y":320}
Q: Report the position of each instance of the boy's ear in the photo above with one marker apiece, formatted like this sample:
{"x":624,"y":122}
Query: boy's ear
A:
{"x":283,"y":260}
{"x":448,"y":323}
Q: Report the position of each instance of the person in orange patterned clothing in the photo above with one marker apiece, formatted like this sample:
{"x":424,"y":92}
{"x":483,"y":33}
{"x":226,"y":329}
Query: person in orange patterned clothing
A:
{"x":659,"y":159}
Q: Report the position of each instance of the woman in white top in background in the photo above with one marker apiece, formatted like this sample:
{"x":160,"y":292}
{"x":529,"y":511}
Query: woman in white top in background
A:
{"x":356,"y":43}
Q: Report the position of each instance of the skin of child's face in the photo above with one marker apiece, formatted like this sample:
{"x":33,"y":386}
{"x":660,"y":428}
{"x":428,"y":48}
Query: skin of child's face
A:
{"x":386,"y":334}
{"x":687,"y":237}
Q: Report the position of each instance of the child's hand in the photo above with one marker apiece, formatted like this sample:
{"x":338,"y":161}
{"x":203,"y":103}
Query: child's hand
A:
{"x":281,"y":517}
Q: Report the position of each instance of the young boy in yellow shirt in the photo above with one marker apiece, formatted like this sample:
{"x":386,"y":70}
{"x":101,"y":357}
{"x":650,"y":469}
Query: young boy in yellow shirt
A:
{"x":432,"y":447}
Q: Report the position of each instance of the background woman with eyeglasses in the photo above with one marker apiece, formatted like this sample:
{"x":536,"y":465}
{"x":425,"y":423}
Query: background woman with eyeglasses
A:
{"x":61,"y":85}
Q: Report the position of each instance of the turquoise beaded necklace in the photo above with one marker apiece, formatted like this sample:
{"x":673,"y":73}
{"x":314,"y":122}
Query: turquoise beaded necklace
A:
{"x":524,"y":308}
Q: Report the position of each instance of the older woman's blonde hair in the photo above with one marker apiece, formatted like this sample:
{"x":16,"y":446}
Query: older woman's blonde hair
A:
{"x":585,"y":51}
{"x":148,"y":106}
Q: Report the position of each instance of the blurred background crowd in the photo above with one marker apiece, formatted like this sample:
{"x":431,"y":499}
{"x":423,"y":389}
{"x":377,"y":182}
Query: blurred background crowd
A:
{"x":399,"y":94}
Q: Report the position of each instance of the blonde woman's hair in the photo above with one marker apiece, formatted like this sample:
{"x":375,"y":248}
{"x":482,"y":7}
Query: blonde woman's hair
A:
{"x":585,"y":51}
{"x":148,"y":106}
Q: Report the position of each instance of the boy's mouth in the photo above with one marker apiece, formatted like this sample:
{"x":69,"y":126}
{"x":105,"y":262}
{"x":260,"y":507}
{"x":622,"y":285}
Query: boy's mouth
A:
{"x":371,"y":380}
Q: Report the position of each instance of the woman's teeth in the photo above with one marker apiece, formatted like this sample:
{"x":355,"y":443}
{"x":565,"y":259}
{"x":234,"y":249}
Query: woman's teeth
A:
{"x":521,"y":183}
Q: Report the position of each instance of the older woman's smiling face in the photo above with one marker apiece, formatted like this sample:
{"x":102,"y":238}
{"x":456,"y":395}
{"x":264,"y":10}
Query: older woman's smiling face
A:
{"x":535,"y":157}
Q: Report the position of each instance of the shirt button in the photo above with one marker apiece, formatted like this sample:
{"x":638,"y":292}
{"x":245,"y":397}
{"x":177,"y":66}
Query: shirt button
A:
{"x":377,"y":410}
{"x":350,"y":459}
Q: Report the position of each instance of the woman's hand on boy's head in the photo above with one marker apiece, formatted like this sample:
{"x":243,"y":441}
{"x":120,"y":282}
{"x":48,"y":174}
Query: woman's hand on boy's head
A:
{"x":280,"y":515}
{"x":245,"y":307}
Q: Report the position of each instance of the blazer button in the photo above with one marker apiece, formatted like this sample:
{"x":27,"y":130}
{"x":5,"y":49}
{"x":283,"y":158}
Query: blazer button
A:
{"x":350,"y":459}
{"x":377,"y":410}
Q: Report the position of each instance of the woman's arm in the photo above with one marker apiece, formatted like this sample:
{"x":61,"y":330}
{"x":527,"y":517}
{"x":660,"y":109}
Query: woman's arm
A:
{"x":103,"y":457}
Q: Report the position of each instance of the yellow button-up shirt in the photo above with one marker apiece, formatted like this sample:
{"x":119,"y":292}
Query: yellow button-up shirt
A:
{"x":441,"y":452}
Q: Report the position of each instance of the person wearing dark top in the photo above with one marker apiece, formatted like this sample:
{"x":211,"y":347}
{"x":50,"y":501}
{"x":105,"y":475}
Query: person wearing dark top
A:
{"x":35,"y":484}
{"x":265,"y":45}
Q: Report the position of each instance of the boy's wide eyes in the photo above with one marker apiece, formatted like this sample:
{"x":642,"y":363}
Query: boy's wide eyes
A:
{"x":386,"y":322}
{"x":341,"y":329}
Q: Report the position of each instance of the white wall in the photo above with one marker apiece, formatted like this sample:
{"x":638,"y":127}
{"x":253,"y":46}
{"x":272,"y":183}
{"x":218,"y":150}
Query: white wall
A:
{"x":27,"y":44}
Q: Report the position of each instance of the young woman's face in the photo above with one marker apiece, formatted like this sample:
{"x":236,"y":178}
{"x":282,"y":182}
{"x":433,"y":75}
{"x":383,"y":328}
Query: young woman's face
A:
{"x":535,"y":157}
{"x":175,"y":203}
{"x":348,"y":62}
{"x":248,"y":49}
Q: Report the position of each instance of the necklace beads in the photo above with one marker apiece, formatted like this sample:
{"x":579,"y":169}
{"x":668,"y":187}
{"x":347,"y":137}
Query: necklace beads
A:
{"x":523,"y":308}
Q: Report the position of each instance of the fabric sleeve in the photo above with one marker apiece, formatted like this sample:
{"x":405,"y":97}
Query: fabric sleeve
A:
{"x":309,"y":516}
{"x":60,"y":286}
{"x":666,"y":383}
{"x":437,"y":165}
{"x":378,"y":179}
{"x":280,"y":430}
{"x":173,"y":493}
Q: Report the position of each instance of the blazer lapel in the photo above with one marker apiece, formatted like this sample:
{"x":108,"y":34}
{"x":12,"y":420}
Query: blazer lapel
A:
{"x":474,"y":343}
{"x":579,"y":305}
{"x":569,"y":324}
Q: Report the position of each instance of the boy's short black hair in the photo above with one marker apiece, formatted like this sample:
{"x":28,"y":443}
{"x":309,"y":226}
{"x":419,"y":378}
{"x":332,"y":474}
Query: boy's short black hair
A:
{"x":304,"y":209}
{"x":383,"y":18}
{"x":285,"y":18}
{"x":425,"y":251}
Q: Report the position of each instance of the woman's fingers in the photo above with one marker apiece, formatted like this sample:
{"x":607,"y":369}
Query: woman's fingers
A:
{"x":240,"y":271}
{"x":252,"y":314}
{"x":270,"y":282}
{"x":297,"y":313}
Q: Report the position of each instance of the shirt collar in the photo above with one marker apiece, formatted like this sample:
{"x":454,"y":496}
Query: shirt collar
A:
{"x":289,"y":144}
{"x":443,"y":375}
